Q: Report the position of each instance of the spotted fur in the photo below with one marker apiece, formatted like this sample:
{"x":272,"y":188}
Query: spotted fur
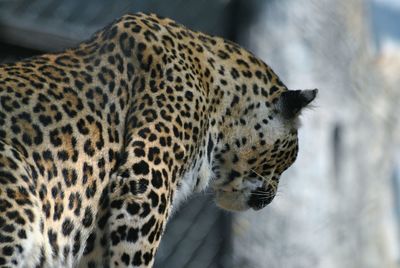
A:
{"x":99,"y":142}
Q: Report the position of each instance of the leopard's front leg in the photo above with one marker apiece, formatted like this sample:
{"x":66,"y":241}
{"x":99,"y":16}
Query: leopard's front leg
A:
{"x":140,"y":200}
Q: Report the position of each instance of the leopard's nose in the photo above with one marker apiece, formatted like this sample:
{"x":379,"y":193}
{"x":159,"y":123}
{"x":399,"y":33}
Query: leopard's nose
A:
{"x":261,"y":197}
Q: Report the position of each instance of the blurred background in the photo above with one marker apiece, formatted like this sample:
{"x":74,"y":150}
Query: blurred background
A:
{"x":339,"y":204}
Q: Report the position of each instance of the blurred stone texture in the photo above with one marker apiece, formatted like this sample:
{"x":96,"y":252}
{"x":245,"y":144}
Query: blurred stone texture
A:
{"x":335,"y":206}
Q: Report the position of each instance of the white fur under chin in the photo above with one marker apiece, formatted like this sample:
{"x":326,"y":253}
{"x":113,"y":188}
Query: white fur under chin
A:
{"x":188,"y":185}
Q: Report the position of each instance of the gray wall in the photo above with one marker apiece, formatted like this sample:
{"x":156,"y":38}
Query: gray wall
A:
{"x":335,"y":205}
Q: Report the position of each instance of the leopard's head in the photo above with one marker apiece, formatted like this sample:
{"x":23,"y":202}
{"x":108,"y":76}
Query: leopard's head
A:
{"x":257,"y":144}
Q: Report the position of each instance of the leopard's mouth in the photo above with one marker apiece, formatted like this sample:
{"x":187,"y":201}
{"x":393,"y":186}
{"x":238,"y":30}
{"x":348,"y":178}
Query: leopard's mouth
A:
{"x":261,"y":197}
{"x":240,"y":200}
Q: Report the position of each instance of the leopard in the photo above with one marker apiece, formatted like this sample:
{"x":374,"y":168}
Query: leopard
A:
{"x":100,"y":143}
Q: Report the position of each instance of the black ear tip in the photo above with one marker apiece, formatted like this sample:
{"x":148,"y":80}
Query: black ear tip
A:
{"x":292,"y":101}
{"x":309,"y":94}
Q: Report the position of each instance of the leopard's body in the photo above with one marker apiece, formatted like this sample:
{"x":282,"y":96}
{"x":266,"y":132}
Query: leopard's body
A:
{"x":99,"y":142}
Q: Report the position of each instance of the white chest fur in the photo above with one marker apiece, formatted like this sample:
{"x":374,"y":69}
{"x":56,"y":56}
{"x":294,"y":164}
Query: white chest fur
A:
{"x":201,"y":171}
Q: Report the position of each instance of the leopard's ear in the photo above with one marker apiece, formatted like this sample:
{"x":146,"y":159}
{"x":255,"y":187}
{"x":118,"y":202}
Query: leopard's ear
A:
{"x":291,"y":102}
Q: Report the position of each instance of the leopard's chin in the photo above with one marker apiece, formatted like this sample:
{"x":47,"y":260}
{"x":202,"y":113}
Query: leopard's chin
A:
{"x":232,"y":201}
